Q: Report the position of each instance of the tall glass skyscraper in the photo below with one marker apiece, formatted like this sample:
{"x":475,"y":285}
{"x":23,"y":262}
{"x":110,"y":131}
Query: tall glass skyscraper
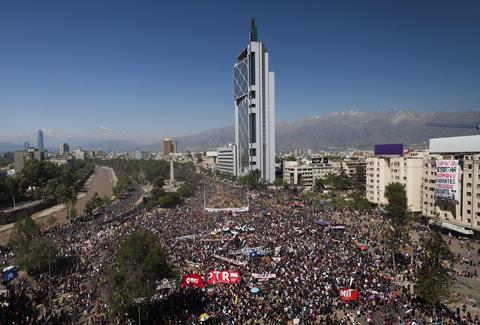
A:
{"x":254,"y":94}
{"x":41,"y":147}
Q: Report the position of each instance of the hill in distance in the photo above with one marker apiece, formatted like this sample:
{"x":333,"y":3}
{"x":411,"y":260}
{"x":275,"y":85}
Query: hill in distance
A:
{"x":349,"y":129}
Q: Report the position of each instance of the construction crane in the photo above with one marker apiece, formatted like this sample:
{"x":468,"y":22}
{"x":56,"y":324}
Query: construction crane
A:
{"x":452,"y":125}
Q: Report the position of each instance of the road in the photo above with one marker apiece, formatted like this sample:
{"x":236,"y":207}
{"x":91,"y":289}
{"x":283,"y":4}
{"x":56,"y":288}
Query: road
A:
{"x":101,"y":181}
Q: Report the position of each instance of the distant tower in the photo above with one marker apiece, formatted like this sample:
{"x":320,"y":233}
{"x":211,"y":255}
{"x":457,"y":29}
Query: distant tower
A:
{"x":41,"y":147}
{"x":169,"y":147}
{"x":254,"y":97}
{"x":172,"y":176}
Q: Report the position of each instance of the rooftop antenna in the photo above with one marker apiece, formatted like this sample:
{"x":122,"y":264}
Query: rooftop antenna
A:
{"x":253,"y":31}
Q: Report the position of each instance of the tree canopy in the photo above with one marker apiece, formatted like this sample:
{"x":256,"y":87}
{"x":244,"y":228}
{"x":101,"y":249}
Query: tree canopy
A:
{"x":396,"y":232}
{"x":31,"y":249}
{"x":139,"y":263}
{"x":435,"y":277}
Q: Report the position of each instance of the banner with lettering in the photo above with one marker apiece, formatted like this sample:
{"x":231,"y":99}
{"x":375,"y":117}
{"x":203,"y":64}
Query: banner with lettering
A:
{"x":226,"y":277}
{"x":192,"y":280}
{"x":347,"y":294}
{"x":264,"y":276}
{"x":335,"y":226}
{"x":446,"y":185}
{"x":229,"y":260}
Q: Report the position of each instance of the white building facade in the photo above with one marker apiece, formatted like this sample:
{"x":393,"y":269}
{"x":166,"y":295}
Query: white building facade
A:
{"x":254,"y":95}
{"x":406,"y":170}
{"x":226,"y":159}
{"x":464,"y":210}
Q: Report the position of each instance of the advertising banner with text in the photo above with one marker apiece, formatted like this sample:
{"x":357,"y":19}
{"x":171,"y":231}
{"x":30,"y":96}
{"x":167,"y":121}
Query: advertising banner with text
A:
{"x":446,"y":186}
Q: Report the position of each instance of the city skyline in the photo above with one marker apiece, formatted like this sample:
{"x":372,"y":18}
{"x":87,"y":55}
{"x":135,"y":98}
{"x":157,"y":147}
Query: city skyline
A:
{"x":117,"y":74}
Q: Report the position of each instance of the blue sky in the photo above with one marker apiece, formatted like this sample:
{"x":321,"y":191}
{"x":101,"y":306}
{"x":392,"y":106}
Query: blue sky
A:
{"x":148,"y":69}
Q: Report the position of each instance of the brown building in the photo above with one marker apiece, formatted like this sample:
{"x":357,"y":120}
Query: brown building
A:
{"x":169,"y":147}
{"x":21,"y":157}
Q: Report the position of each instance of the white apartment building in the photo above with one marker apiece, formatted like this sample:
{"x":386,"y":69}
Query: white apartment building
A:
{"x":406,"y":169}
{"x":227,"y":156}
{"x":461,"y":208}
{"x":304,"y":175}
{"x":79,"y":153}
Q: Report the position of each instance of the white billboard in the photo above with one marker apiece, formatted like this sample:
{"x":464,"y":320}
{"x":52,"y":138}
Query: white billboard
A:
{"x":446,"y":186}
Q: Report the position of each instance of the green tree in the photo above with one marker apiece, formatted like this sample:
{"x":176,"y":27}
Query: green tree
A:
{"x":67,"y":196}
{"x":319,"y":185}
{"x":13,"y":187}
{"x":32,"y":251}
{"x":253,"y":179}
{"x":360,"y":203}
{"x":435,"y":277}
{"x":186,"y":190}
{"x":158,"y":184}
{"x":168,"y":200}
{"x":121,"y":186}
{"x":94,"y":202}
{"x":359,"y":180}
{"x":396,"y":232}
{"x":139,"y":263}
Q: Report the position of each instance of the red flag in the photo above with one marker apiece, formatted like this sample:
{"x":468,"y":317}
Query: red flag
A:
{"x":192,"y":280}
{"x":347,"y":294}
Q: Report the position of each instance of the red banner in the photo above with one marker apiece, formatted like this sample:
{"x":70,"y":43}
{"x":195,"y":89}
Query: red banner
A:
{"x":347,"y":294}
{"x":192,"y":280}
{"x":227,"y":277}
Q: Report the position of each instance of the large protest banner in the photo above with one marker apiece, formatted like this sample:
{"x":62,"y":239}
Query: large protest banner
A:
{"x":446,"y":186}
{"x":226,"y":277}
{"x":192,"y":280}
{"x":347,"y":294}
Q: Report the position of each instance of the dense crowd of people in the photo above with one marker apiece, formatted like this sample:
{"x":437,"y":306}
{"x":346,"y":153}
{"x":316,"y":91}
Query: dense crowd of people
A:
{"x":292,"y":263}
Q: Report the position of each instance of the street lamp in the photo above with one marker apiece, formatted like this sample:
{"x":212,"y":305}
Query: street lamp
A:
{"x":139,"y":301}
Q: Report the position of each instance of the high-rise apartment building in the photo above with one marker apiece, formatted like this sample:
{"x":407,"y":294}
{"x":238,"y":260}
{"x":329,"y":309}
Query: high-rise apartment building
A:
{"x":451,"y":182}
{"x":64,"y":149}
{"x":169,"y":147}
{"x":21,"y":157}
{"x":254,"y":95}
{"x":405,"y":169}
{"x":40,"y":144}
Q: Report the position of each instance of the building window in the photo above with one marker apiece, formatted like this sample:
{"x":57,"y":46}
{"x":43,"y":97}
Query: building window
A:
{"x":253,"y":152}
{"x":253,"y":163}
{"x":253,"y":94}
{"x":253,"y":127}
{"x":252,"y":68}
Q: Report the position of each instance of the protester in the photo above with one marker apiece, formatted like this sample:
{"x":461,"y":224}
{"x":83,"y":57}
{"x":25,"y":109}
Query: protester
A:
{"x":295,"y":262}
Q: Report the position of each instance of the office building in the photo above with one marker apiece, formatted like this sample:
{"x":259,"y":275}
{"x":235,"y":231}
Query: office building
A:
{"x":169,"y":147}
{"x":451,"y":183}
{"x":305,"y":173}
{"x":139,"y":155}
{"x":254,"y":97}
{"x":79,"y":153}
{"x":21,"y":157}
{"x":40,"y":144}
{"x":209,"y":160}
{"x":395,"y":167}
{"x":226,"y":159}
{"x":64,"y":149}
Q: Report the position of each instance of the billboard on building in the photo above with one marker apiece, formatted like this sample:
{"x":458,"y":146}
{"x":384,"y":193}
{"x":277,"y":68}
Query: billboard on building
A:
{"x":470,"y":143}
{"x":389,"y":149}
{"x":446,"y":185}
